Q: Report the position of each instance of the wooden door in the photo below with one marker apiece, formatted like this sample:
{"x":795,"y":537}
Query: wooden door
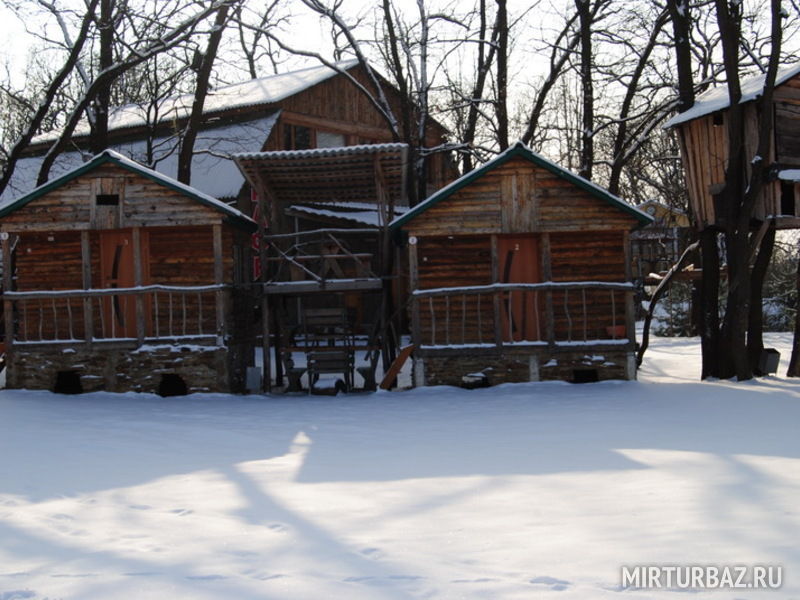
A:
{"x":521,"y":312}
{"x":117,"y":271}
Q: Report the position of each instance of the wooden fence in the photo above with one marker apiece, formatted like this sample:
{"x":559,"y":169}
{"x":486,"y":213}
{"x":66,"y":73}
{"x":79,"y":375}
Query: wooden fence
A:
{"x":504,"y":314}
{"x":143,"y":313}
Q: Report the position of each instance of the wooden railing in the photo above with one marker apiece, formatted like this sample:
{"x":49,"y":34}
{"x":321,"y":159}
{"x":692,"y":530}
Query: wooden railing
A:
{"x":512,"y":313}
{"x":144,"y":313}
{"x":321,"y":254}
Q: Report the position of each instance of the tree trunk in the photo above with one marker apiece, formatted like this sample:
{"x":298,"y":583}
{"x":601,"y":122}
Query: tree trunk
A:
{"x":794,"y":362}
{"x":98,"y":141}
{"x":201,"y":91}
{"x":587,"y":132}
{"x":755,"y":326}
{"x":709,"y":302}
{"x":501,"y":108}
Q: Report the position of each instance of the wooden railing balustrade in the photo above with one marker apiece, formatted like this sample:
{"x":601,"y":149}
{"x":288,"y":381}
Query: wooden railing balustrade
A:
{"x":503,"y":314}
{"x":143,"y":313}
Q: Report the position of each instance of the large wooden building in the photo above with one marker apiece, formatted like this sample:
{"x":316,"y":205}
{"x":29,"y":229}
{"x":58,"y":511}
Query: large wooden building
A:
{"x":124,"y":279}
{"x":520,"y":271}
{"x":703,"y":136}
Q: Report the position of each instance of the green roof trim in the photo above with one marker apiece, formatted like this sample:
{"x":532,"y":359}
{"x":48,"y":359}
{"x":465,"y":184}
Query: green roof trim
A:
{"x":522,"y":151}
{"x":231,"y":215}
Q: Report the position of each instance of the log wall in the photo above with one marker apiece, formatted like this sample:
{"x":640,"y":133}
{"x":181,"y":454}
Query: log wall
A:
{"x":519,"y":197}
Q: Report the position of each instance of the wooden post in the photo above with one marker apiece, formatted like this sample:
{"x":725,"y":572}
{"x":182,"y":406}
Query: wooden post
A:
{"x":8,"y":305}
{"x":86,"y":274}
{"x":413,"y":284}
{"x":216,"y":230}
{"x":547,"y":273}
{"x":137,"y":282}
{"x":630,"y":318}
{"x":266,"y":364}
{"x":498,"y":334}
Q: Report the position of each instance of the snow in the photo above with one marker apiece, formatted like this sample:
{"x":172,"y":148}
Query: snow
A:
{"x":213,"y":171}
{"x":789,"y":175}
{"x":541,"y":490}
{"x":254,"y":92}
{"x":717,"y":98}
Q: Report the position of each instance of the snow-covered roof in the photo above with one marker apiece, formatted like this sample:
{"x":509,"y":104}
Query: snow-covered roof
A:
{"x":213,"y":171}
{"x":789,"y":175}
{"x":521,"y":150}
{"x":323,"y":152}
{"x":362,"y":213}
{"x":717,"y":98}
{"x":265,"y":90}
{"x":235,"y":216}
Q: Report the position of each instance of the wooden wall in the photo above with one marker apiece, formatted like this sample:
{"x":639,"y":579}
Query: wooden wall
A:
{"x":787,"y":122}
{"x":143,"y":203}
{"x":519,"y":197}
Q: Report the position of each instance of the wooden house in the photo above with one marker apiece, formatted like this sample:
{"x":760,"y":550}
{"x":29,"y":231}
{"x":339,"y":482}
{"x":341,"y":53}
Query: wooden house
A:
{"x":123,"y":279}
{"x":659,"y":245}
{"x":703,"y":139}
{"x":316,"y":107}
{"x":327,"y":252}
{"x":520,"y":271}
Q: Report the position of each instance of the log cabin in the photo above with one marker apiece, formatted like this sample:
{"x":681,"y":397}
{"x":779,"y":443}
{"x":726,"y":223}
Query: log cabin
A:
{"x":315,"y":107}
{"x":520,"y":271}
{"x":658,"y":246}
{"x":702,"y":133}
{"x":124,"y":280}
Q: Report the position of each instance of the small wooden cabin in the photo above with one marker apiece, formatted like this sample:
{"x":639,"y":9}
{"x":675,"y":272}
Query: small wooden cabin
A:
{"x":658,"y":246}
{"x":520,"y":271}
{"x":703,"y":134}
{"x":123,"y":279}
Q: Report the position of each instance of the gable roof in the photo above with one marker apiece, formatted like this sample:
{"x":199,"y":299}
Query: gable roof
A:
{"x":522,"y":151}
{"x":213,"y":172}
{"x":717,"y":98}
{"x":230,"y":214}
{"x":255,"y":92}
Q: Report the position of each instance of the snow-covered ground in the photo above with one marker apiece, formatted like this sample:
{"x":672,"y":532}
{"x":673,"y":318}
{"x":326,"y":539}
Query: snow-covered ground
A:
{"x":514,"y":492}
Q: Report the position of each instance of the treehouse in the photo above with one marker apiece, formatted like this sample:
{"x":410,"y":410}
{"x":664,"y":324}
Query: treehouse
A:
{"x":327,"y":274}
{"x":124,"y":279}
{"x":521,"y":271}
{"x":702,"y":131}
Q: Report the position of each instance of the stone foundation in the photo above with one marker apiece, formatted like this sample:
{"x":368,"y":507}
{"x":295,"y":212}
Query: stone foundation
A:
{"x":571,"y":366}
{"x":115,"y":369}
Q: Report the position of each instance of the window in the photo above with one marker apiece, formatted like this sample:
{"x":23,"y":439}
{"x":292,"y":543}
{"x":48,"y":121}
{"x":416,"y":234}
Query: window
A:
{"x":328,"y":139}
{"x":107,"y":199}
{"x":787,"y":198}
{"x":297,"y":137}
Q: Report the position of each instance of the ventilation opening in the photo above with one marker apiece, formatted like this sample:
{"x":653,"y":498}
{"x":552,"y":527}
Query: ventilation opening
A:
{"x":172,"y":385}
{"x":584,"y":376}
{"x":787,"y":198}
{"x":68,"y":382}
{"x":107,"y":199}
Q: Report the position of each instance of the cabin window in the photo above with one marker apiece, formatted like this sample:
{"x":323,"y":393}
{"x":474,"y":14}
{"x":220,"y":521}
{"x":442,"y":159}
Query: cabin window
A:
{"x":328,"y":139}
{"x":718,"y":118}
{"x":297,"y":137}
{"x":107,"y":199}
{"x":787,"y":198}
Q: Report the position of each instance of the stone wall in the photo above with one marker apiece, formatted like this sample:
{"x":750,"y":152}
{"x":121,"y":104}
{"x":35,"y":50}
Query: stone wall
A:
{"x":202,"y":368}
{"x":521,"y":367}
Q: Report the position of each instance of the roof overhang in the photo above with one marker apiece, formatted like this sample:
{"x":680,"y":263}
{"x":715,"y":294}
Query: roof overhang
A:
{"x":346,"y":174}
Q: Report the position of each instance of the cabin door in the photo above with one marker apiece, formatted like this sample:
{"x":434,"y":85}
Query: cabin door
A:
{"x":521,"y":312}
{"x":117,"y":271}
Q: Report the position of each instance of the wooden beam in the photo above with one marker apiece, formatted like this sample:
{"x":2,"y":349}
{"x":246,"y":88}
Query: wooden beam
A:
{"x":219,"y":296}
{"x":413,"y":284}
{"x":137,"y":282}
{"x":626,"y":245}
{"x":86,"y":274}
{"x":498,"y":334}
{"x":547,"y":273}
{"x":8,"y":305}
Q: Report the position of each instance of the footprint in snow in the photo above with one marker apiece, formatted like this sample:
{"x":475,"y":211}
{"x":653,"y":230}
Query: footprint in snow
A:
{"x":372,"y":553}
{"x":139,"y":506}
{"x":17,"y":594}
{"x":558,"y":585}
{"x":181,"y":512}
{"x":211,"y":577}
{"x":479,"y":580}
{"x":277,"y":527}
